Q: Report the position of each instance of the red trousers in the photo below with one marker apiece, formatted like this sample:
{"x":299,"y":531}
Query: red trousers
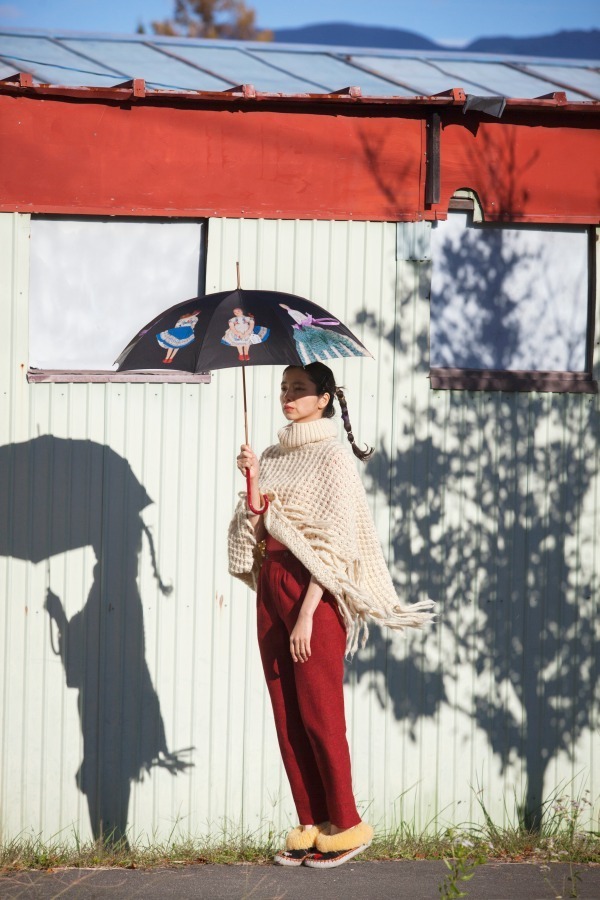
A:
{"x":307,"y":698}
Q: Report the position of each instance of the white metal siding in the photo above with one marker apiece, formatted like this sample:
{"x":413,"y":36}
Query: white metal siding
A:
{"x":487,"y":502}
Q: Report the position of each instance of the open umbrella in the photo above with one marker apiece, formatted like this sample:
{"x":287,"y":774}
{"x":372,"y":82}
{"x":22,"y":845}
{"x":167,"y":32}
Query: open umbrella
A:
{"x":240,"y":328}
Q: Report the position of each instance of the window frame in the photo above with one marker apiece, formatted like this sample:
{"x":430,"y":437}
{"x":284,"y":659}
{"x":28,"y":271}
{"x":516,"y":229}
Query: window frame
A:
{"x":444,"y":378}
{"x":105,"y":376}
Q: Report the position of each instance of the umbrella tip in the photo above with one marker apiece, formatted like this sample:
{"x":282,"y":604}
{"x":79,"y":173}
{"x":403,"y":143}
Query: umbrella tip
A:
{"x":237,"y":269}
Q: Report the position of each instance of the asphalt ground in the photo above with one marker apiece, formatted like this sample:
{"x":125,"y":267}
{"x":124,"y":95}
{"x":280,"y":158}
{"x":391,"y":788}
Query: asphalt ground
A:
{"x":414,"y":880}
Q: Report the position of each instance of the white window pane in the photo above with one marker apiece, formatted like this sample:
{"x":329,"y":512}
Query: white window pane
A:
{"x":95,"y":282}
{"x":508,"y":297}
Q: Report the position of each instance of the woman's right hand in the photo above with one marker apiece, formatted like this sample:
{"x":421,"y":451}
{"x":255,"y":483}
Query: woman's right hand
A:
{"x":247,"y":459}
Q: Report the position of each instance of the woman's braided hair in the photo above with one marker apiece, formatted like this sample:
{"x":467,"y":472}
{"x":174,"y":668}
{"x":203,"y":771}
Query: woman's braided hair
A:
{"x":324,"y":380}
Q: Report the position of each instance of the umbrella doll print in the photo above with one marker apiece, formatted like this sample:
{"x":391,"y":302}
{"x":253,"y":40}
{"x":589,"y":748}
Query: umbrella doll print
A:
{"x":314,"y":343}
{"x":180,"y":336}
{"x":242,"y":332}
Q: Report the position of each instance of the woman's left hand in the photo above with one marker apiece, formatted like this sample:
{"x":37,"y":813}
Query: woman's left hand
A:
{"x":247,"y":460}
{"x":300,"y":638}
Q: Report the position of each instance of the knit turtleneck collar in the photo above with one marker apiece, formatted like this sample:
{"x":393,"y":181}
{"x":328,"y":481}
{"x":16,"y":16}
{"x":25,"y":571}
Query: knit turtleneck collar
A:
{"x":296,"y":434}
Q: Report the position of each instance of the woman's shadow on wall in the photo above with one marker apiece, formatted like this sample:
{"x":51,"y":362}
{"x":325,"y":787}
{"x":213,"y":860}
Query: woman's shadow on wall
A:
{"x":58,"y":495}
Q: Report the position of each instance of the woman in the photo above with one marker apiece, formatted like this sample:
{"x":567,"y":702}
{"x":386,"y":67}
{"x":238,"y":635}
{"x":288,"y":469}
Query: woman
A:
{"x":323,"y":575}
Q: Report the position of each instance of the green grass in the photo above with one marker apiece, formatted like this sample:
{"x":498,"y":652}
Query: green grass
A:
{"x":231,"y":847}
{"x":33,"y":853}
{"x":567,"y":834}
{"x":506,"y":845}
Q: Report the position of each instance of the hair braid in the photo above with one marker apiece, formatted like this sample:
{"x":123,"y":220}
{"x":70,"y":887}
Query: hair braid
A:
{"x":324,"y":380}
{"x":165,"y":589}
{"x":363,"y":455}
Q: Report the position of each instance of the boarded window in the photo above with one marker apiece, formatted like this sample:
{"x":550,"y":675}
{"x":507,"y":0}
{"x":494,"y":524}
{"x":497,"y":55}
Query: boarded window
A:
{"x":94,"y":283}
{"x":509,"y":298}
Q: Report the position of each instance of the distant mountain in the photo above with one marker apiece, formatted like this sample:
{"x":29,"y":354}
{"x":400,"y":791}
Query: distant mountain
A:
{"x":566,"y":44}
{"x":347,"y":35}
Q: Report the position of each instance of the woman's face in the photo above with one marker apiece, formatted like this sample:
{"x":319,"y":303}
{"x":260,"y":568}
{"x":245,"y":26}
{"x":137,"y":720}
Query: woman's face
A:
{"x":299,"y":399}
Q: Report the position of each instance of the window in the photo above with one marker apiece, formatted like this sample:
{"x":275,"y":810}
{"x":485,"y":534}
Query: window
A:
{"x":94,"y":283}
{"x":510,"y":306}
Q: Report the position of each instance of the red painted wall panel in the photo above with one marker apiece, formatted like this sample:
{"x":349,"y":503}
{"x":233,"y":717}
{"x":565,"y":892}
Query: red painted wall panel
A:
{"x":541,"y":171}
{"x":76,"y":156}
{"x":101,"y":158}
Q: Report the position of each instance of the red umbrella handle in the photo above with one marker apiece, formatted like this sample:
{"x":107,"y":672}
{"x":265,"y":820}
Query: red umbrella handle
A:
{"x":257,"y":512}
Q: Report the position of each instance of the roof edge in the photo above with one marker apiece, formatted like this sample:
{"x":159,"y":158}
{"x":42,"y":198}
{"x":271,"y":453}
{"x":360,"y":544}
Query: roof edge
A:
{"x":21,"y":84}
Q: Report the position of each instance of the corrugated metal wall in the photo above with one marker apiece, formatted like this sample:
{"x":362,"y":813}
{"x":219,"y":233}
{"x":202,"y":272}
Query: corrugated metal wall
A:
{"x":489,"y":503}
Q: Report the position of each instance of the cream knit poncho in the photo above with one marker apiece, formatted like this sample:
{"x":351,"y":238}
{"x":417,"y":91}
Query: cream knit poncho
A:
{"x":318,"y":509}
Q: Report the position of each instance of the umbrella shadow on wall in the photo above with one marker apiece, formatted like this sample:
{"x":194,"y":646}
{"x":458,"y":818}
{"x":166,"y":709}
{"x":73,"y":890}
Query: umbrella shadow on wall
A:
{"x":58,"y":495}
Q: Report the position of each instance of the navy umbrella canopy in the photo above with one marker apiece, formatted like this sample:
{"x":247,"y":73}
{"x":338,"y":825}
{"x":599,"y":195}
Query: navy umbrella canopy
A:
{"x":236,"y":328}
{"x":240,"y":328}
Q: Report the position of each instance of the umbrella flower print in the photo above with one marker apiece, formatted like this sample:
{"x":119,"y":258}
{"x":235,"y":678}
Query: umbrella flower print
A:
{"x":315,"y":344}
{"x":242,"y":332}
{"x":180,"y":336}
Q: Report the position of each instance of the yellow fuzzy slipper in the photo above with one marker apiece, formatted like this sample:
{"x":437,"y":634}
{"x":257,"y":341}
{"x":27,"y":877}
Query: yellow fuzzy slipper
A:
{"x":335,"y":849}
{"x":299,"y":845}
{"x":301,"y":838}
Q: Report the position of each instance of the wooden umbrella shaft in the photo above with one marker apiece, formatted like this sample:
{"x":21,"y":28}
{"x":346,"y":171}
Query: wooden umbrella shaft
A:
{"x":257,"y":512}
{"x":245,"y":404}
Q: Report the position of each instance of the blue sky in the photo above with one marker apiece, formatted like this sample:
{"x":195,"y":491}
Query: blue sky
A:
{"x":447,"y":21}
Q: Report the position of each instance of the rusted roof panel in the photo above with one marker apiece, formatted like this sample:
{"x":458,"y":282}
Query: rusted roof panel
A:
{"x":503,"y":79}
{"x":586,"y":79}
{"x":140,"y":60}
{"x":52,"y":63}
{"x":416,"y":76}
{"x":232,"y":62}
{"x":324,"y":70}
{"x":192,"y":64}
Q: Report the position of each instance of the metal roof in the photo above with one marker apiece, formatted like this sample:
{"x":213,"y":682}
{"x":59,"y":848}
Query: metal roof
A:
{"x":191,"y":64}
